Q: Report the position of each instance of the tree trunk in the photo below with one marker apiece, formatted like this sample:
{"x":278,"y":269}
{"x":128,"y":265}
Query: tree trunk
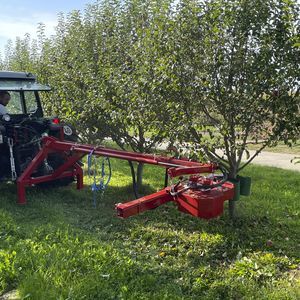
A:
{"x":232,"y":202}
{"x":133,"y":179}
{"x":139,"y":176}
{"x":231,"y":209}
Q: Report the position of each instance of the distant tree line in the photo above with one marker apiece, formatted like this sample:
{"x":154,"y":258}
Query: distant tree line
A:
{"x":213,"y":75}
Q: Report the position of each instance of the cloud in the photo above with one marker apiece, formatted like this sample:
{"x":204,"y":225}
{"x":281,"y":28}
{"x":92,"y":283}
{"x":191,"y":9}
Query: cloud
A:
{"x":10,"y":28}
{"x":13,"y":27}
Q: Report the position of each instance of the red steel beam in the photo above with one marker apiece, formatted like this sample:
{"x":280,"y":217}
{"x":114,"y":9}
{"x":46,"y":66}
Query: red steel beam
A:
{"x":74,"y":152}
{"x":134,"y":207}
{"x":56,"y":145}
{"x":204,"y":168}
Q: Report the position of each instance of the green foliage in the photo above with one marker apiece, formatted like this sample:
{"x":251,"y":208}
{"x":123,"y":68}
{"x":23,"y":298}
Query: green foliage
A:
{"x":216,"y":75}
{"x":238,"y":67}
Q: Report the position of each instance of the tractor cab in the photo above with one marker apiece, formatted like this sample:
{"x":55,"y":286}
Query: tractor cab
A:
{"x":24,"y":93}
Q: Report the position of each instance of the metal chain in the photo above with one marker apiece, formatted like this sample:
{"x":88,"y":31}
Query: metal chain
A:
{"x":93,"y":172}
{"x":12,"y":159}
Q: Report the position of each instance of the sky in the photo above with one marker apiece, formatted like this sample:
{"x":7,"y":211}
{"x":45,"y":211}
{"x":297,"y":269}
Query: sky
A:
{"x":18,"y":17}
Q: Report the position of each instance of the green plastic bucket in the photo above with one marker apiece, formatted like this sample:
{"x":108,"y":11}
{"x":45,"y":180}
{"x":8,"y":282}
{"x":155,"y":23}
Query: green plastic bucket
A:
{"x":245,"y":185}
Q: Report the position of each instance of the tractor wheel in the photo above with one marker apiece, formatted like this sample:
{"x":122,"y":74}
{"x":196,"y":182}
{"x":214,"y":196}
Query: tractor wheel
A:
{"x":55,"y":160}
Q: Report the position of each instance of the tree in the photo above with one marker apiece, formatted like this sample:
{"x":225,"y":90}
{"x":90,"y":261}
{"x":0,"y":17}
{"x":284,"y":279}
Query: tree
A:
{"x":244,"y":79}
{"x":135,"y":72}
{"x":216,"y":75}
{"x":109,"y":71}
{"x":241,"y":80}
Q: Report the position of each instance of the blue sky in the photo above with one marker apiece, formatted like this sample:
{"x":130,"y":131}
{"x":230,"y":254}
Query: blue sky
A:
{"x":18,"y":17}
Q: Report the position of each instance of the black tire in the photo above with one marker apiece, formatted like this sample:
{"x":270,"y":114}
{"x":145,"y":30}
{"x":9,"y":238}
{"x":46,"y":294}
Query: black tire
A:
{"x":55,"y":160}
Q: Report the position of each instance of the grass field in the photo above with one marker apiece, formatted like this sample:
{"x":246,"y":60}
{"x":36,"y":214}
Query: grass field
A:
{"x":60,"y":247}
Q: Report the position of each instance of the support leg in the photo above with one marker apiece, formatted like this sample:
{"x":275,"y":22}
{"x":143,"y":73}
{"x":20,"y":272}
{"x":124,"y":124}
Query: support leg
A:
{"x":79,"y":177}
{"x":21,"y":194}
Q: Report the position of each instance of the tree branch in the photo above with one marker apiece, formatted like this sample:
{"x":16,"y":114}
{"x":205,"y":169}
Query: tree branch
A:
{"x":244,"y":141}
{"x":250,"y":160}
{"x":221,"y":161}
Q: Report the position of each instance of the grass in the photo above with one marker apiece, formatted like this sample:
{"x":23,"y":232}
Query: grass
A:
{"x":60,"y":247}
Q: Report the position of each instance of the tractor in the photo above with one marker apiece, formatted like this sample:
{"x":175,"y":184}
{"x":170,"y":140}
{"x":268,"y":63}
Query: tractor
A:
{"x":22,"y":129}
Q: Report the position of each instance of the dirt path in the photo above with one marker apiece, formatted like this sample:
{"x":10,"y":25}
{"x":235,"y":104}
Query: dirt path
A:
{"x":279,"y":160}
{"x":271,"y":159}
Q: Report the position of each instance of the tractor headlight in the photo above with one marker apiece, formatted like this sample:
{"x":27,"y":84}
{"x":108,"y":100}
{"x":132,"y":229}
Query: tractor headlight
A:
{"x":6,"y":118}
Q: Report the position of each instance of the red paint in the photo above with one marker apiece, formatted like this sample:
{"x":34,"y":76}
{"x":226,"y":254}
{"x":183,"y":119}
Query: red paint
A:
{"x":56,"y":120}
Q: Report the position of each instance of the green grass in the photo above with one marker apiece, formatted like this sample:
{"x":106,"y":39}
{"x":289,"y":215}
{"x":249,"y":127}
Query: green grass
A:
{"x":60,"y":247}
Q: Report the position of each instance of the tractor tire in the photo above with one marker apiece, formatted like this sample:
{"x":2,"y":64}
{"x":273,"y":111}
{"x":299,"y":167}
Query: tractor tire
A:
{"x":55,"y":160}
